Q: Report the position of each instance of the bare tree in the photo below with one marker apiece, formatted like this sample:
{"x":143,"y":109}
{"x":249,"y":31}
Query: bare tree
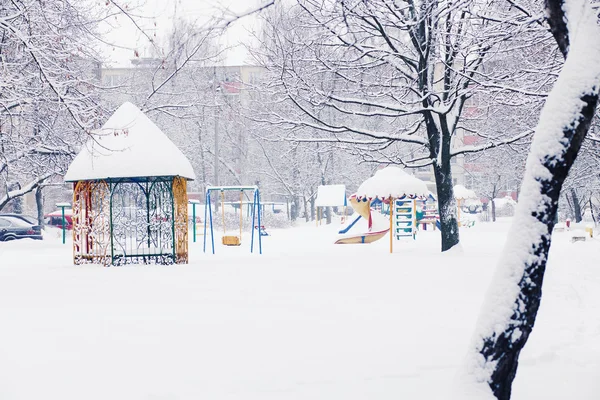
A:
{"x":392,"y":80}
{"x":47,"y":95}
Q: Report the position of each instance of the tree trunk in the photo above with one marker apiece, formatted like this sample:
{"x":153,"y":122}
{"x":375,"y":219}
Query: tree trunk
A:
{"x":494,"y":195}
{"x":512,"y":303}
{"x":446,"y":205}
{"x":576,"y":206}
{"x":306,"y":215}
{"x":312,"y":209}
{"x":592,"y":211}
{"x":39,"y":201}
{"x":294,"y":208}
{"x":442,"y":171}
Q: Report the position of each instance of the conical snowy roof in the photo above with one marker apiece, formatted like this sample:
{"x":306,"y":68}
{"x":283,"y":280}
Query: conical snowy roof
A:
{"x":462,"y":193}
{"x":391,"y":182}
{"x":129,"y":145}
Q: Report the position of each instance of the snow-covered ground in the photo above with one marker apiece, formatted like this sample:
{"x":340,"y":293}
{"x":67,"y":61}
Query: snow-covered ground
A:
{"x":306,"y":320}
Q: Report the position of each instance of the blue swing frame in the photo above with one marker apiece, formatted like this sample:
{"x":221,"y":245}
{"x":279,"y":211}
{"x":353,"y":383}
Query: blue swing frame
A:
{"x":255,"y":213}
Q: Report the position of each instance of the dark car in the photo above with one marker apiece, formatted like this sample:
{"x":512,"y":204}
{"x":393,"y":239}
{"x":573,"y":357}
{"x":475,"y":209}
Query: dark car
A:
{"x":17,"y":227}
{"x":26,"y":218}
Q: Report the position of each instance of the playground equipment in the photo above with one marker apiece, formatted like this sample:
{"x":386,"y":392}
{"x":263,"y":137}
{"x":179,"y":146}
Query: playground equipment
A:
{"x":262,"y":230}
{"x":363,"y":208}
{"x":429,"y":211}
{"x":404,"y":218}
{"x":233,"y":240}
{"x":330,"y":196}
{"x":399,"y":190}
{"x":462,"y":194}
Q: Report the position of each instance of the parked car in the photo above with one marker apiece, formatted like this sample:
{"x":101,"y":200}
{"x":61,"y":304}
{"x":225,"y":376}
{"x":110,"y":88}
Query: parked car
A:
{"x":15,"y":227}
{"x":55,"y":219}
{"x":26,"y":218}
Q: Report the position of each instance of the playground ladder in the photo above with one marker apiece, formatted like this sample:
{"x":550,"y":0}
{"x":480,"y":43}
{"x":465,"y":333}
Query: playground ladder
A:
{"x":405,"y":218}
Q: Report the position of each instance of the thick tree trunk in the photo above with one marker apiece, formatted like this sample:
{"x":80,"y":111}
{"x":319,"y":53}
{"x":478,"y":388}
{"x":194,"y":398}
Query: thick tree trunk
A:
{"x":39,"y":201}
{"x":576,"y":206}
{"x":506,"y":321}
{"x":446,"y":205}
{"x":442,"y":171}
{"x":493,"y":210}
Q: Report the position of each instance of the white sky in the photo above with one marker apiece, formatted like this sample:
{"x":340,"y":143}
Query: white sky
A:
{"x":158,"y":18}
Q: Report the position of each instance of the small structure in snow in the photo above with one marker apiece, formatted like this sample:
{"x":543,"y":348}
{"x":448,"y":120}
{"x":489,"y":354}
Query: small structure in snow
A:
{"x":464,"y":197}
{"x":462,"y":193}
{"x":330,"y":196}
{"x":130,"y":194}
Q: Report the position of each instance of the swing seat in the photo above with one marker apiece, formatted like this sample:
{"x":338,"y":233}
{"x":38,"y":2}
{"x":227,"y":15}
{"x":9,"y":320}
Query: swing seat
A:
{"x":231,"y":240}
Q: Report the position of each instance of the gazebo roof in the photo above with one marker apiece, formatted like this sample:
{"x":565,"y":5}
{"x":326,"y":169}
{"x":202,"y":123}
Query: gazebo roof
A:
{"x":128,"y":145}
{"x":391,"y":182}
{"x":462,"y":193}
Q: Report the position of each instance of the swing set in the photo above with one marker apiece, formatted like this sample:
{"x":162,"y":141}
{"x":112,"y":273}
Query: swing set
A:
{"x":232,"y":240}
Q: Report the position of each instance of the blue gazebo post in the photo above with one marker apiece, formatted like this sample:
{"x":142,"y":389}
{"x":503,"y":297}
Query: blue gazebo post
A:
{"x":62,"y":207}
{"x":194,"y":203}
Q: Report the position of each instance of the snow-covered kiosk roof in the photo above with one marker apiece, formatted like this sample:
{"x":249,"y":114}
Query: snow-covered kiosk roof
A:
{"x":462,"y":193}
{"x":129,"y":145}
{"x":392,"y":182}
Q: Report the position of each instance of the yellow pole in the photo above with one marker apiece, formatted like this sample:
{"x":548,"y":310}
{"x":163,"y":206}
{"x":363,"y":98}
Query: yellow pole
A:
{"x":391,"y":226}
{"x":241,"y":220}
{"x":414,"y":225}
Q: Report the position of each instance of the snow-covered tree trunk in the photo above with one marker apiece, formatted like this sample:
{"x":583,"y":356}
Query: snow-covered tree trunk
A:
{"x":442,"y":170}
{"x":576,"y":206}
{"x":39,"y":202}
{"x":513,"y":300}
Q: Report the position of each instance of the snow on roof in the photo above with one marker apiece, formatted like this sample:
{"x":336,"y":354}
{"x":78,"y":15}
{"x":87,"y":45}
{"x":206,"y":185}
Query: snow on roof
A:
{"x":392,"y":182}
{"x":129,"y":145}
{"x":331,"y":196}
{"x":461,"y":193}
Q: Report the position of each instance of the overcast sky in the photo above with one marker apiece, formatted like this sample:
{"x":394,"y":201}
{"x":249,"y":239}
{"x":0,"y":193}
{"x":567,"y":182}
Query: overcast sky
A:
{"x":158,"y":20}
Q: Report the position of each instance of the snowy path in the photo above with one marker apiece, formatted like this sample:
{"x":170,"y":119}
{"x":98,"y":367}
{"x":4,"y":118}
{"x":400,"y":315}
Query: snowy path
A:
{"x":307,"y":320}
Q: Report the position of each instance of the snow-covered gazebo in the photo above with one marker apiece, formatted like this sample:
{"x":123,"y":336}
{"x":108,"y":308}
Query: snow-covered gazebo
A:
{"x":130,"y":194}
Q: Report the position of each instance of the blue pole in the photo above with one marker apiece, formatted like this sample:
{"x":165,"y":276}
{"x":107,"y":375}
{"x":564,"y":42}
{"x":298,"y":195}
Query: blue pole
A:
{"x":206,"y":199}
{"x":212,"y":233}
{"x":253,"y":221}
{"x":259,"y":235}
{"x":194,"y":219}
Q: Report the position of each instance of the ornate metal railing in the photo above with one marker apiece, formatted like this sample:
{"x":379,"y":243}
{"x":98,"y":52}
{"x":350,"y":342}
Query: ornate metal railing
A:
{"x":130,"y":221}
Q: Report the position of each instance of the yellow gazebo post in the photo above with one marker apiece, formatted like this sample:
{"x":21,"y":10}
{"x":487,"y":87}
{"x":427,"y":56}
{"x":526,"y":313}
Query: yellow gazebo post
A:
{"x":391,"y":226}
